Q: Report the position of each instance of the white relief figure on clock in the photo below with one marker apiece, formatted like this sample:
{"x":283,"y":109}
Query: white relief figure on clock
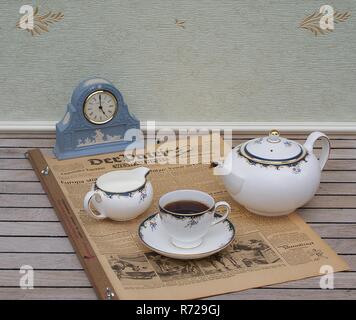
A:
{"x":99,"y":137}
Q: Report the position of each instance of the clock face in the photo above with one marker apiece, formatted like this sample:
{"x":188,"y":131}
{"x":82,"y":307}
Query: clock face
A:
{"x":100,"y":107}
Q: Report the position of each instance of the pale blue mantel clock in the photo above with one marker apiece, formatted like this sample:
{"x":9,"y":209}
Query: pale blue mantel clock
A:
{"x":95,"y":122}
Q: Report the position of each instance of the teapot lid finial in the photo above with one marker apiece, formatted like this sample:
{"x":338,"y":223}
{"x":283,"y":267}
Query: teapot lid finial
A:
{"x":274,"y":136}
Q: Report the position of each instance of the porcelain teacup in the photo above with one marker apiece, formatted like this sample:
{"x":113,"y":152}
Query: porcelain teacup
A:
{"x":187,"y":229}
{"x":120,"y":195}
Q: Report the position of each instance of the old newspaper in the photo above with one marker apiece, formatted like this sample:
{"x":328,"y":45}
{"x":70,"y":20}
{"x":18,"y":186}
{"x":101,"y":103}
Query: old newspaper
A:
{"x":266,"y":250}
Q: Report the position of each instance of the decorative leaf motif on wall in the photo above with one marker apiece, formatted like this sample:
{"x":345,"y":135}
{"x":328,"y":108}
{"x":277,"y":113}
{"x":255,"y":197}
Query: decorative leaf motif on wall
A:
{"x":41,"y":22}
{"x":312,"y":22}
{"x":180,"y":23}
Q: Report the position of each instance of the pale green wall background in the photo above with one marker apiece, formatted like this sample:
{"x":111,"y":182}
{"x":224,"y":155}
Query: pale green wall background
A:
{"x":236,"y":60}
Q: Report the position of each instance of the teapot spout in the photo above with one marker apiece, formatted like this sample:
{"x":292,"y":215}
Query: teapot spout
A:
{"x":233,"y":181}
{"x":219,"y":168}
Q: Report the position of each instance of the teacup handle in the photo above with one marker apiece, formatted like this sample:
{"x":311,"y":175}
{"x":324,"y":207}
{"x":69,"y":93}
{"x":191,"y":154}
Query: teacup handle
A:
{"x":87,"y":201}
{"x":223,"y":218}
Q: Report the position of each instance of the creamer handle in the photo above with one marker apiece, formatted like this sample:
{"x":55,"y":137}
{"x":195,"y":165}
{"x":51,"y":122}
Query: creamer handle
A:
{"x":87,"y":201}
{"x":325,"y":143}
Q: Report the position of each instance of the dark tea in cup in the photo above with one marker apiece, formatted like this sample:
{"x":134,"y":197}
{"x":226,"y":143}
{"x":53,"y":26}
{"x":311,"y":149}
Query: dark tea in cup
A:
{"x":186,"y":207}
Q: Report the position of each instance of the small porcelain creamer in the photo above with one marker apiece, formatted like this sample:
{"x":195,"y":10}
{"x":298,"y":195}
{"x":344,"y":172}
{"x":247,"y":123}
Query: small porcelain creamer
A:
{"x":274,"y":176}
{"x":120,"y":195}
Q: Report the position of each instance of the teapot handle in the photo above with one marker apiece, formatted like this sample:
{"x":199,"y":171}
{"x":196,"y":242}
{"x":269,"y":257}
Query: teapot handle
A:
{"x":325,"y":143}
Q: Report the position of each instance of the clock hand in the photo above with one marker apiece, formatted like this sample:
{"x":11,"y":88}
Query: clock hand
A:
{"x":101,"y":107}
{"x":102,"y":110}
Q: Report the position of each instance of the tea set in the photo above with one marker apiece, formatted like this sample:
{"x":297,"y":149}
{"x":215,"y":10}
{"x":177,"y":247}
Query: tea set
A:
{"x":269,"y":176}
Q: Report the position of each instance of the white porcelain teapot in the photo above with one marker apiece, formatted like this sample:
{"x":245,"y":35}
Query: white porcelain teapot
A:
{"x":274,"y":176}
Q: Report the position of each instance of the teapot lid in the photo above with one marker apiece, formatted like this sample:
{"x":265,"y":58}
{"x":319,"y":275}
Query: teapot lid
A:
{"x":273,"y":150}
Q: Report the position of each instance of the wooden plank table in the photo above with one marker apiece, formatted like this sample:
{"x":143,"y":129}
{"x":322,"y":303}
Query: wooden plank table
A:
{"x":30,"y":233}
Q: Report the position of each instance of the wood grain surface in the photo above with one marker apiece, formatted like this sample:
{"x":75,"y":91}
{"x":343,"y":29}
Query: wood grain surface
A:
{"x":30,"y":232}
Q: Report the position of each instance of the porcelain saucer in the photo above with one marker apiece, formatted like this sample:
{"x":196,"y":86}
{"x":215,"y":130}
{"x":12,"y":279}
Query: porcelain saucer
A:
{"x":153,"y":235}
